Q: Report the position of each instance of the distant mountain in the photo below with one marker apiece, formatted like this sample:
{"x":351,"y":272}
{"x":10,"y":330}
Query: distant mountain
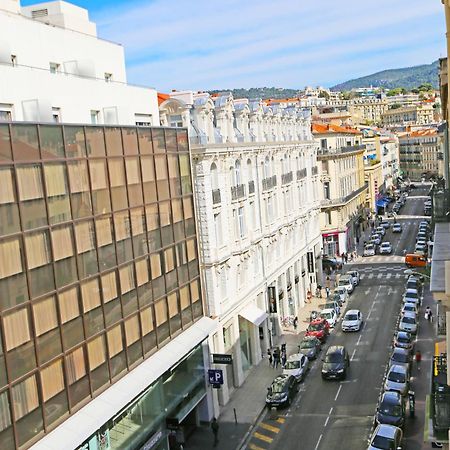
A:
{"x":264,"y":92}
{"x":408,"y":77}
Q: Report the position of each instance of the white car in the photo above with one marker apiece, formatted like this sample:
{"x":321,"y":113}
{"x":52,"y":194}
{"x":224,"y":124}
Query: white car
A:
{"x":347,"y":282}
{"x":330,"y":316}
{"x":352,"y":320}
{"x":408,"y":322}
{"x":421,"y":249}
{"x":385,"y":248}
{"x":342,"y":292}
{"x":386,"y":436}
{"x":355,"y":276}
{"x":410,"y":307}
{"x":380,"y":230}
{"x":369,"y":250}
{"x":297,"y":366}
{"x":397,"y":228}
{"x":376,"y":238}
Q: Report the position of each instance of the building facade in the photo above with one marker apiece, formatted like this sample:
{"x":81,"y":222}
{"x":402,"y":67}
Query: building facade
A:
{"x":422,"y":114}
{"x":421,"y":153}
{"x":341,"y":167}
{"x":54,"y":68}
{"x":257,"y":194}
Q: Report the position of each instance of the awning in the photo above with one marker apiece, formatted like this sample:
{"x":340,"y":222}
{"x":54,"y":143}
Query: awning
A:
{"x":253,"y":314}
{"x":85,"y":422}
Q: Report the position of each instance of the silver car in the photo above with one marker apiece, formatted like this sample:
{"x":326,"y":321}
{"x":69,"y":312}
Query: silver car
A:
{"x":297,"y":366}
{"x":355,"y":276}
{"x":410,"y":307}
{"x":352,"y":320}
{"x":347,"y":282}
{"x":400,"y":357}
{"x":408,"y":322}
{"x":397,"y":379}
{"x":386,"y":437}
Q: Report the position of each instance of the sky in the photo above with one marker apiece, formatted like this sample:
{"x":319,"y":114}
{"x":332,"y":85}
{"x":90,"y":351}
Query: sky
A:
{"x":207,"y":44}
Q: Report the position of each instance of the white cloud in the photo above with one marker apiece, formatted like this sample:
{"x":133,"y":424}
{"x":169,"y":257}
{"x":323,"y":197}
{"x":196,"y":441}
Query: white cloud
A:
{"x":205,"y":44}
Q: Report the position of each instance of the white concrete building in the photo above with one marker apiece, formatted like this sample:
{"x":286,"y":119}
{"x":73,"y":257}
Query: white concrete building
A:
{"x":54,"y":68}
{"x":257,"y":193}
{"x":390,"y":159}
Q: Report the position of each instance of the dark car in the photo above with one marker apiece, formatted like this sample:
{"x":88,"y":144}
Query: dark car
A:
{"x":281,"y":391}
{"x":403,"y":340}
{"x":329,"y":263}
{"x":413,"y":283}
{"x":401,"y":357}
{"x":391,"y":409}
{"x":310,"y":346}
{"x":318,"y":328}
{"x":335,"y":363}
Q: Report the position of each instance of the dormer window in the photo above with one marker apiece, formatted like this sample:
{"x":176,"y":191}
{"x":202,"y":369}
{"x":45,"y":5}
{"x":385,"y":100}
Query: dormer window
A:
{"x":13,"y":60}
{"x":55,"y":67}
{"x":108,"y":77}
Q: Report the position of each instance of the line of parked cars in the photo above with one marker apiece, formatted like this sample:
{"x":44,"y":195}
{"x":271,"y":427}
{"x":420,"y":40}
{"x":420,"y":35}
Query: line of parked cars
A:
{"x":375,"y":241}
{"x":420,"y":255}
{"x":391,"y":410}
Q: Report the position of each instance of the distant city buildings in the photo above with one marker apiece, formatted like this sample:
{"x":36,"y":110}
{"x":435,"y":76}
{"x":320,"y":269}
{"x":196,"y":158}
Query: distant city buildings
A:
{"x":416,"y":115}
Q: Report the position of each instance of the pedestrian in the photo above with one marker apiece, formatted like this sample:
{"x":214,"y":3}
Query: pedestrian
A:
{"x":276,"y":358}
{"x":346,"y":257}
{"x":283,"y":359}
{"x":269,"y":355}
{"x":418,"y":358}
{"x":295,"y":323}
{"x":343,"y":257}
{"x":327,"y":290}
{"x":283,"y":347}
{"x":428,"y":314}
{"x":215,"y":430}
{"x":357,"y":240}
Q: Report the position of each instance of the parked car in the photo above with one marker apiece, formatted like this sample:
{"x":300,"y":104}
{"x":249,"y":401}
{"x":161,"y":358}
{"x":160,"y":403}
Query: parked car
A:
{"x":369,"y":250}
{"x":421,"y":235}
{"x":329,"y":263}
{"x":385,"y":224}
{"x":403,"y":339}
{"x":347,"y":282}
{"x":352,"y":320}
{"x":424,"y":222}
{"x":310,"y":346}
{"x":297,"y":366}
{"x":330,"y":316}
{"x":342,"y":292}
{"x":414,"y":283}
{"x":408,"y":322}
{"x":380,"y":230}
{"x":397,"y":228}
{"x":400,"y":357}
{"x":335,"y":363}
{"x":421,"y":249}
{"x":411,"y":296}
{"x":318,"y":328}
{"x":281,"y":391}
{"x":410,"y":307}
{"x":391,"y":410}
{"x":334,"y":305}
{"x":385,"y":248}
{"x":376,"y":239}
{"x":355,"y":276}
{"x":397,"y":379}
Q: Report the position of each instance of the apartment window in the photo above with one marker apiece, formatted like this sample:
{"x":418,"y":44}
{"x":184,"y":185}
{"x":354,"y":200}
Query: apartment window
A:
{"x":94,"y":117}
{"x":328,"y":217}
{"x":108,"y":77}
{"x":56,"y":113}
{"x":176,"y":121}
{"x":241,"y":220}
{"x":218,"y":229}
{"x":14,"y":60}
{"x":323,"y":143}
{"x":143,"y":120}
{"x":5,"y":112}
{"x":55,"y":67}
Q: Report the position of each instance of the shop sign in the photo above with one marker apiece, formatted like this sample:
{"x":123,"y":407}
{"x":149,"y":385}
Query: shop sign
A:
{"x":219,"y":358}
{"x":152,"y":441}
{"x":215,"y":377}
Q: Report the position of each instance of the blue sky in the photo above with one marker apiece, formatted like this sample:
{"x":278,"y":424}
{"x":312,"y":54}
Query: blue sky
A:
{"x":207,"y":44}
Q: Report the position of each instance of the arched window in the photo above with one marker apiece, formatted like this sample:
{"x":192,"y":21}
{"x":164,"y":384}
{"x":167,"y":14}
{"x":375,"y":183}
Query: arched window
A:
{"x":214,"y":177}
{"x":266,"y":168}
{"x":237,"y":173}
{"x":249,"y":170}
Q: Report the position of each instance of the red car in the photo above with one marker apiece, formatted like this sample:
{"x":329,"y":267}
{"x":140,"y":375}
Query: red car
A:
{"x":318,"y":328}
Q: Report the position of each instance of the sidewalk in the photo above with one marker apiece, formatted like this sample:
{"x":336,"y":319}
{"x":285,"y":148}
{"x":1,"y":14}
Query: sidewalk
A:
{"x":248,"y":401}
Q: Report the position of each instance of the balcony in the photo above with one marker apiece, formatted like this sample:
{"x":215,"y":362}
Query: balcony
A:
{"x":287,"y":178}
{"x":251,"y":187}
{"x":301,"y":174}
{"x":237,"y":192}
{"x":216,"y":196}
{"x":333,"y":151}
{"x":314,"y":170}
{"x":343,"y":200}
{"x":269,"y":183}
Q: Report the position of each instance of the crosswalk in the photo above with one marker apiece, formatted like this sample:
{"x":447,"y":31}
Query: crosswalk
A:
{"x":265,"y":432}
{"x":385,"y":276}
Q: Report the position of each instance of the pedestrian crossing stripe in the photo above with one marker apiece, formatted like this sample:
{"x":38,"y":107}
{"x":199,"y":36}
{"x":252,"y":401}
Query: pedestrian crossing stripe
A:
{"x":268,"y":427}
{"x":281,"y":420}
{"x":254,"y":447}
{"x":262,"y":437}
{"x":369,"y":276}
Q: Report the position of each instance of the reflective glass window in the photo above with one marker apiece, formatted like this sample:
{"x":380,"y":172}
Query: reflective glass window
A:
{"x":25,"y":142}
{"x":75,"y":141}
{"x":52,"y":145}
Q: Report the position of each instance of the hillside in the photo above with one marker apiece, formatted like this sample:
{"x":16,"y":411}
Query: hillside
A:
{"x":407,"y":77}
{"x":264,"y":92}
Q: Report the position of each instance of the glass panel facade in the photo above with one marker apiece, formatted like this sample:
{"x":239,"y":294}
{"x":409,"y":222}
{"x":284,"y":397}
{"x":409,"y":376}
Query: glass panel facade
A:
{"x":98,"y":266}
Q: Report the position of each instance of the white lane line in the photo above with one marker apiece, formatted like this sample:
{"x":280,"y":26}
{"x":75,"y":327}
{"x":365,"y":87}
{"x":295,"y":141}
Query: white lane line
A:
{"x":338,"y":392}
{"x":366,"y":292}
{"x":359,"y":339}
{"x":389,"y":275}
{"x":328,"y":417}
{"x":318,"y":443}
{"x":397,"y":275}
{"x":370,"y":276}
{"x":379,"y":275}
{"x":353,"y":354}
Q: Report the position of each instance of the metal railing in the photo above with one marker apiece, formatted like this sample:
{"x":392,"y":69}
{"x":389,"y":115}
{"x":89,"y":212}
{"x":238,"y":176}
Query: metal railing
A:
{"x":441,"y":205}
{"x":251,"y":187}
{"x":216,"y":196}
{"x":269,"y":183}
{"x":237,"y":192}
{"x":302,"y":173}
{"x":346,"y":149}
{"x":314,"y":170}
{"x":343,"y":200}
{"x":286,"y":178}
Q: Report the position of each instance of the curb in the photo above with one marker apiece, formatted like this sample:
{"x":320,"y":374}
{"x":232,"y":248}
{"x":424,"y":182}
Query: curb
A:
{"x":243,"y":441}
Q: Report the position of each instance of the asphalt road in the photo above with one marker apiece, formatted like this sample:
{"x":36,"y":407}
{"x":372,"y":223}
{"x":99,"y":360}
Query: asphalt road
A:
{"x":327,"y":415}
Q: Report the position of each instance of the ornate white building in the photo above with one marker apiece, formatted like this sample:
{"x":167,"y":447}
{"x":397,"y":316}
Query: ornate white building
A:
{"x":257,"y":194}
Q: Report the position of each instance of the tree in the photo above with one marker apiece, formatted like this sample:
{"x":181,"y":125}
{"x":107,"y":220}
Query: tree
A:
{"x":425,"y":87}
{"x":324,"y":94}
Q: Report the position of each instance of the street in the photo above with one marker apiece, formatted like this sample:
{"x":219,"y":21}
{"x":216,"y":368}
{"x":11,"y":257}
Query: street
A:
{"x":328,"y":414}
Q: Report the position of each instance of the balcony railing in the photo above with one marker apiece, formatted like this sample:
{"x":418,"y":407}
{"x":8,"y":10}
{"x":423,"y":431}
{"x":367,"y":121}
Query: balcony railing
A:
{"x":301,"y":174}
{"x":343,"y":200}
{"x":251,"y":187}
{"x":269,"y":183}
{"x":286,"y":178}
{"x":314,"y":170}
{"x":237,"y":192}
{"x":333,"y":151}
{"x":216,"y":196}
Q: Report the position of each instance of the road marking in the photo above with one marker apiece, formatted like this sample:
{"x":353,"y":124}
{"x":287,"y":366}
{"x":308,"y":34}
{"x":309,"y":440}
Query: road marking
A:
{"x":370,"y":276}
{"x":262,"y":437}
{"x":318,"y":443}
{"x":281,"y":420}
{"x":254,"y":447}
{"x":359,"y":339}
{"x":353,"y":354}
{"x":268,"y":427}
{"x":338,"y":392}
{"x":366,"y":292}
{"x":397,"y":275}
{"x":389,"y":275}
{"x":379,"y":275}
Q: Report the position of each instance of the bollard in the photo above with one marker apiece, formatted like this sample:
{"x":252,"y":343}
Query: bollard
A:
{"x":235,"y":416}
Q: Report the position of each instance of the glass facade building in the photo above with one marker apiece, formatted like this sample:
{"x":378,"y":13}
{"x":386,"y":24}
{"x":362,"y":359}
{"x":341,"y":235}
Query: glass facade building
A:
{"x":98,"y":264}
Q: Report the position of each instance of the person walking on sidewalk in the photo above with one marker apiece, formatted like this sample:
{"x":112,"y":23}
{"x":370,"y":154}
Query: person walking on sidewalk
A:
{"x":283,"y":358}
{"x":269,"y":355}
{"x":327,"y":290}
{"x":276,"y":358}
{"x":295,"y":323}
{"x":215,"y":430}
{"x":418,"y":358}
{"x":428,"y":314}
